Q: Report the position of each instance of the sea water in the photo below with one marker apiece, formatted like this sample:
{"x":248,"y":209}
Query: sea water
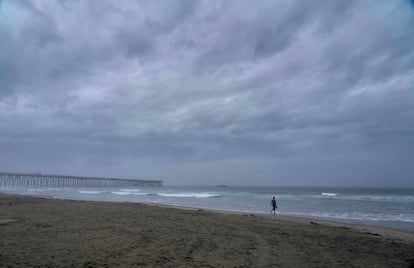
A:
{"x":374,"y":206}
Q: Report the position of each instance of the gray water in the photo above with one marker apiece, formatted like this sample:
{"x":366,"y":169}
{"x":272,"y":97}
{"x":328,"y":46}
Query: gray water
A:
{"x":373,"y":206}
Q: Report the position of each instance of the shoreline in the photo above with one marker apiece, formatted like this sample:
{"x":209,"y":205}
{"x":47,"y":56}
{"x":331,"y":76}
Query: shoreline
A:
{"x":38,"y":231}
{"x":404,"y":234}
{"x":396,"y":226}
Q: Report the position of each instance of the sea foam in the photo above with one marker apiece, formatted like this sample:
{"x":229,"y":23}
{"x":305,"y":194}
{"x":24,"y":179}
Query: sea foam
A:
{"x":89,"y":192}
{"x":128,"y":193}
{"x":329,"y":194}
{"x":196,"y":195}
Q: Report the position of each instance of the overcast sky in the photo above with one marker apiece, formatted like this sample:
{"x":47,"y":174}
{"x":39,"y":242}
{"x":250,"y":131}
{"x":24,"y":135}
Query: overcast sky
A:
{"x":210,"y":92}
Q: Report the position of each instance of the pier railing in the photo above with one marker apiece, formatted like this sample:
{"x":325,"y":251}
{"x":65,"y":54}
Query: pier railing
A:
{"x":27,"y":180}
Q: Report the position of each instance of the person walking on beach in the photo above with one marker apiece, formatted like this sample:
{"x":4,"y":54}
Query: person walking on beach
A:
{"x":274,"y":205}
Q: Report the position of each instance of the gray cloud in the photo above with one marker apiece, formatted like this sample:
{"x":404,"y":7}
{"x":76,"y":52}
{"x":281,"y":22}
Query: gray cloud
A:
{"x":270,"y":92}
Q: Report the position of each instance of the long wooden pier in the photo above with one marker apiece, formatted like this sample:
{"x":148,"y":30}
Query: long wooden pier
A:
{"x":27,"y":180}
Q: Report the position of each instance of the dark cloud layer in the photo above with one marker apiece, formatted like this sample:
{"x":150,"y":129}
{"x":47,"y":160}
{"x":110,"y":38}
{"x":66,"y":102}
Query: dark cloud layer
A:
{"x":210,"y":92}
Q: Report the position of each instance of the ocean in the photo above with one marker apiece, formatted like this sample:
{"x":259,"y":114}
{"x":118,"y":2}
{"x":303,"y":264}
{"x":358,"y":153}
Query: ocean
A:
{"x":389,"y":207}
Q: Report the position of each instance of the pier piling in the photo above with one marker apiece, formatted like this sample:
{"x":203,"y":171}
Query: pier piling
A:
{"x":26,"y":180}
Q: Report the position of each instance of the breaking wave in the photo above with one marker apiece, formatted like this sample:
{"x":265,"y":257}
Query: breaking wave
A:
{"x":196,"y":195}
{"x":89,"y":192}
{"x":329,"y":194}
{"x":128,"y":193}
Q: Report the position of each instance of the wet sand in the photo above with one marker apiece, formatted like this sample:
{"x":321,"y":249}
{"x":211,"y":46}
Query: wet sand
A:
{"x":37,"y":232}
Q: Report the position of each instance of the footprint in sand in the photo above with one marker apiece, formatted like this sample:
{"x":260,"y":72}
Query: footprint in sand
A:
{"x":6,"y":221}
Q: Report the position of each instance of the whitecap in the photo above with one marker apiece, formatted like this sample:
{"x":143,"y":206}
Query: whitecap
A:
{"x":196,"y":195}
{"x":122,"y":193}
{"x":329,"y":194}
{"x":130,"y":190}
{"x":89,"y":192}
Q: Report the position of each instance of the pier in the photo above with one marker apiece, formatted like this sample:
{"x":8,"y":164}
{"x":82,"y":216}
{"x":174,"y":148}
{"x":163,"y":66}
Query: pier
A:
{"x":38,"y":180}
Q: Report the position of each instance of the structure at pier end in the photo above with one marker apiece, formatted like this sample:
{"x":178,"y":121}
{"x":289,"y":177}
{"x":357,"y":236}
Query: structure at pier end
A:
{"x":27,"y":180}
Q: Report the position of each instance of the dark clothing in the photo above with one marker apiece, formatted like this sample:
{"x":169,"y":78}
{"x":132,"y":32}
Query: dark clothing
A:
{"x":274,"y":205}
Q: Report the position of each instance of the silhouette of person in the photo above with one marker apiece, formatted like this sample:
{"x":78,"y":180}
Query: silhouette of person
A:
{"x":274,"y":205}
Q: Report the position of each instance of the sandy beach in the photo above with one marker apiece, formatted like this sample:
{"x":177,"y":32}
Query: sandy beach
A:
{"x":38,"y":232}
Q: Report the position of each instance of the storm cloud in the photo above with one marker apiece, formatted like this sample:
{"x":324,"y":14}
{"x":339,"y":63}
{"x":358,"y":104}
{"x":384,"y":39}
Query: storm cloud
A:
{"x":210,"y":92}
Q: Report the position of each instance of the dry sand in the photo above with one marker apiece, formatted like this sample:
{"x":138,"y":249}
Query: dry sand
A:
{"x":37,"y":232}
